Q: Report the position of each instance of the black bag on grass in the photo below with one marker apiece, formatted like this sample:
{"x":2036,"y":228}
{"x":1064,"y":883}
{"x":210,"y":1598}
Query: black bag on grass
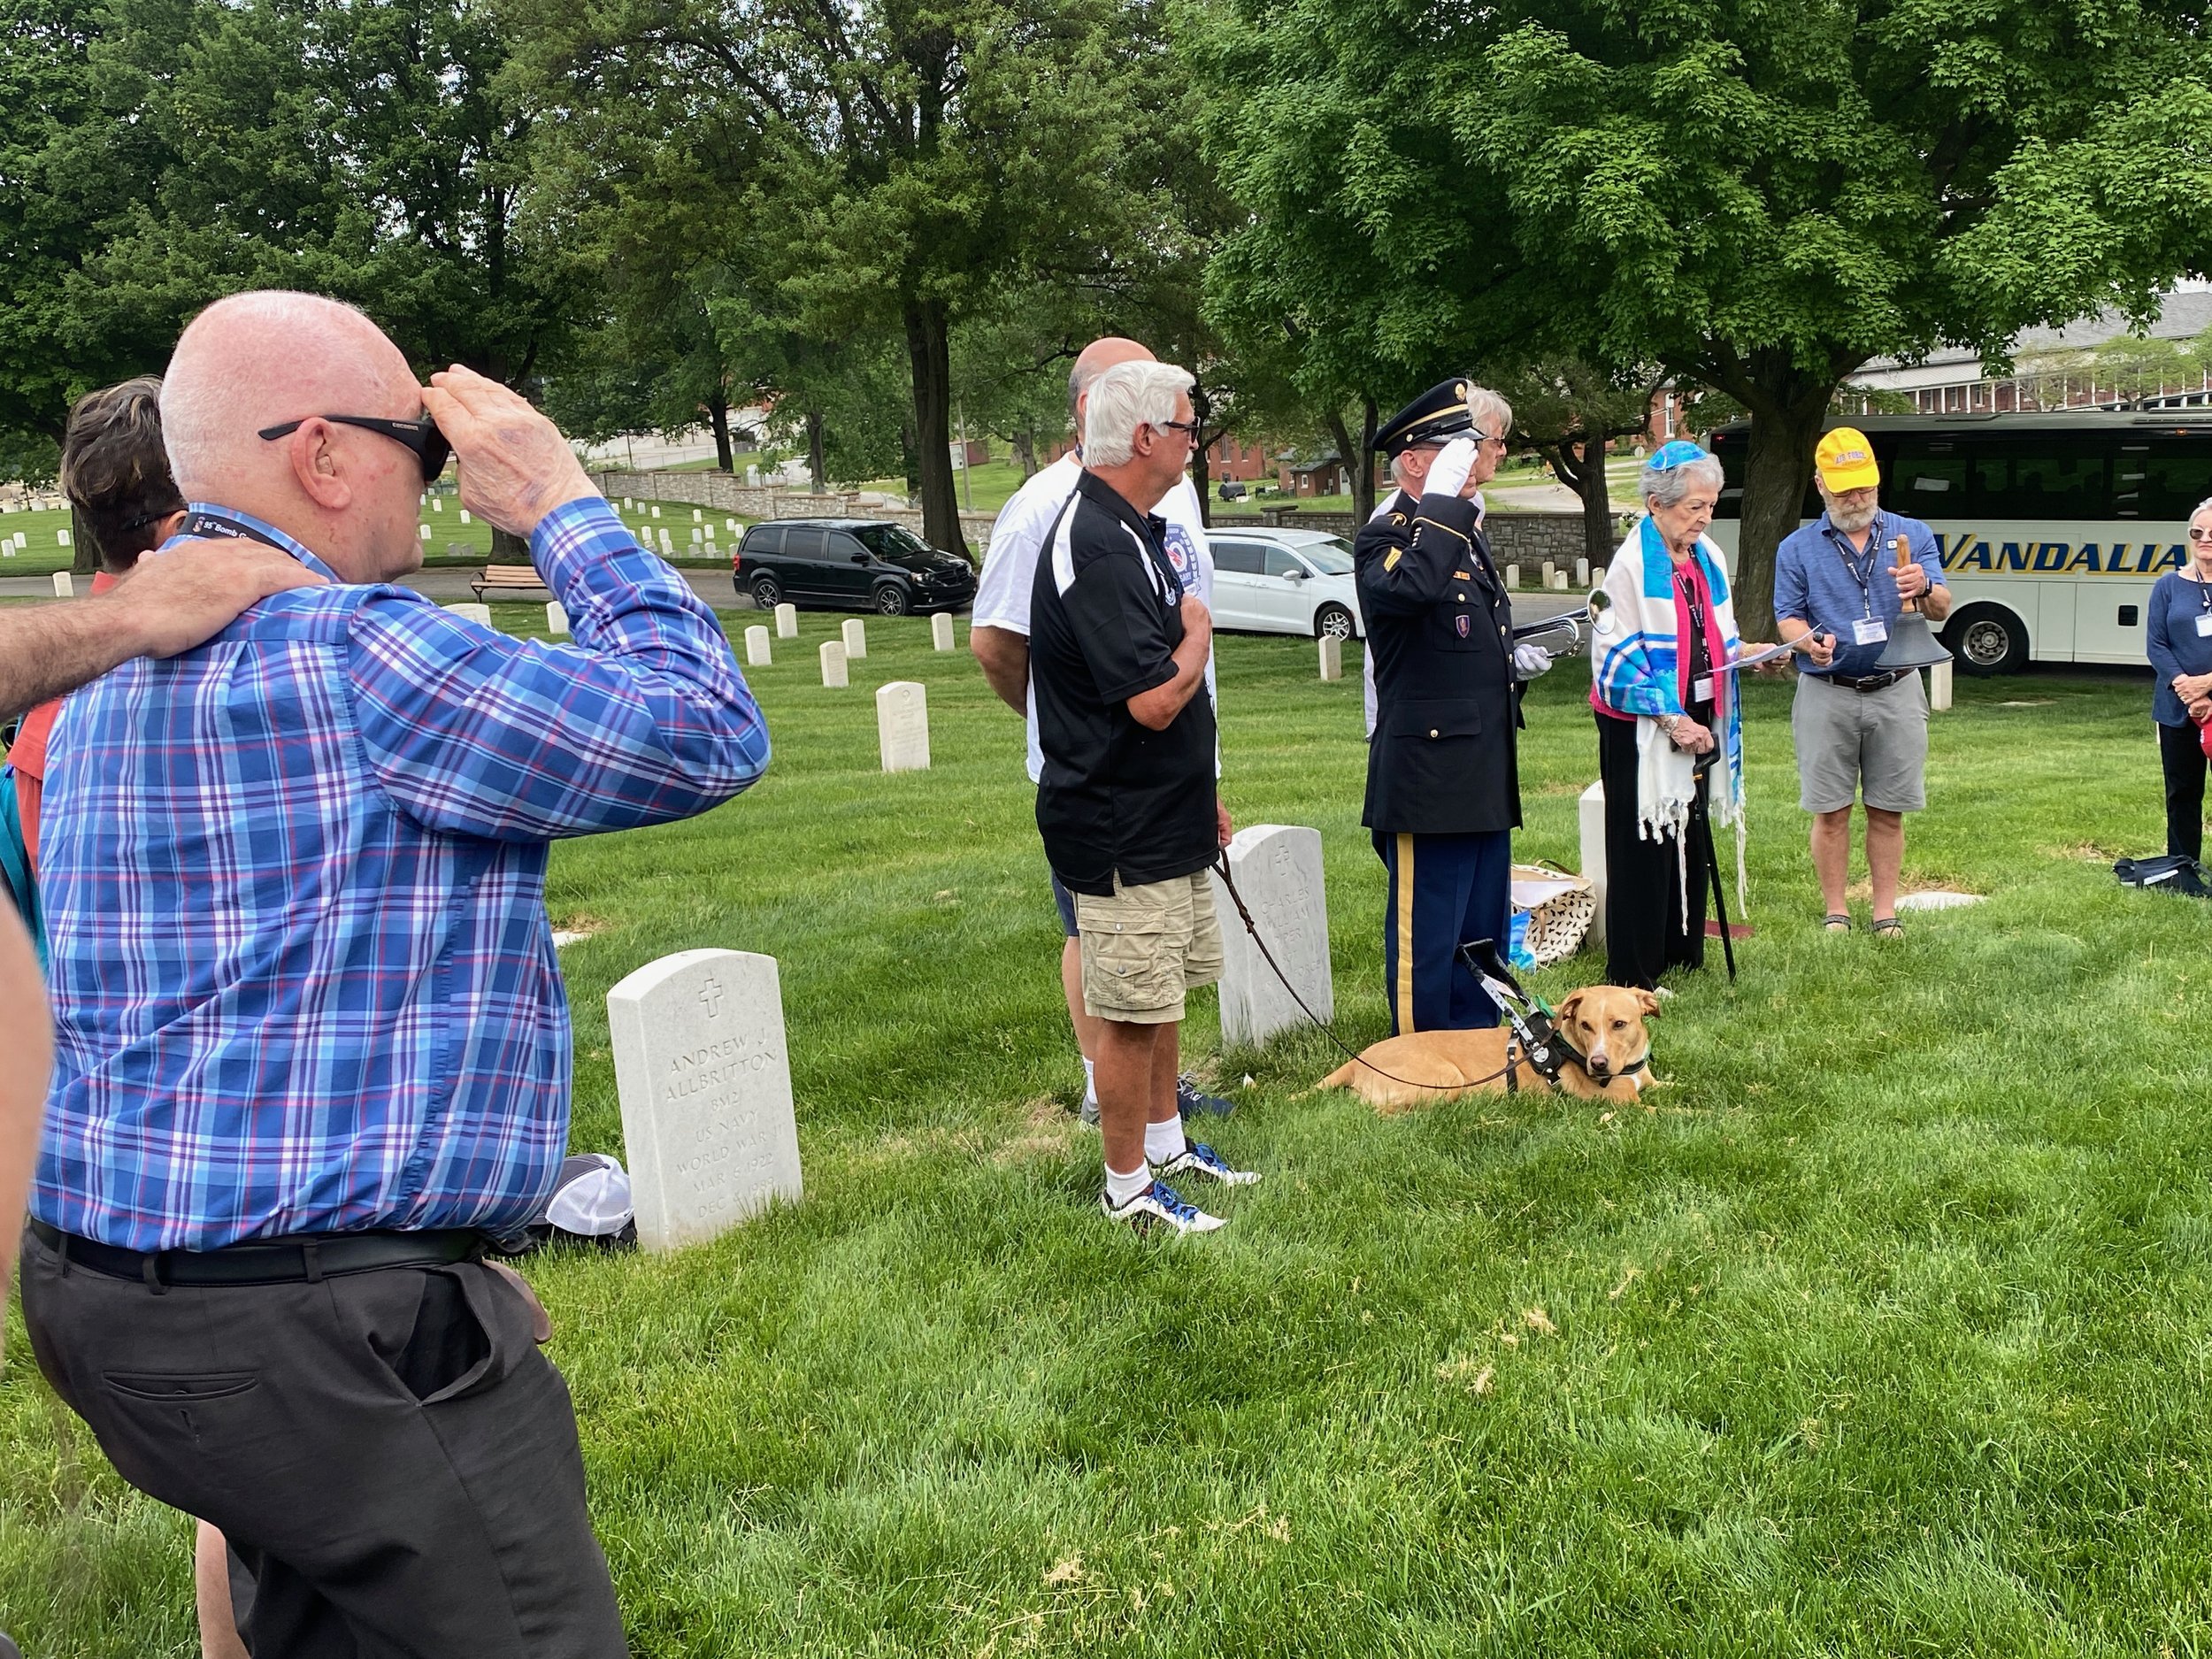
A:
{"x":2170,"y":872}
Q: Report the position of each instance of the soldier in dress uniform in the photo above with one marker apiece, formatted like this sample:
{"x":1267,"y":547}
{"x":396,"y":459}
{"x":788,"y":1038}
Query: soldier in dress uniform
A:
{"x":1443,"y":788}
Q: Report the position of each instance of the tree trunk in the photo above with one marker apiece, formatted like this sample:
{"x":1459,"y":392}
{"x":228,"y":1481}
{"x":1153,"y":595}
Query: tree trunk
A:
{"x":718,"y":417}
{"x":1025,"y":442}
{"x":1201,"y":472}
{"x":507,"y":548}
{"x":1777,"y":471}
{"x":1341,"y":436}
{"x":1572,"y":461}
{"x":84,"y":552}
{"x":1363,"y":482}
{"x":928,"y":350}
{"x":816,"y":453}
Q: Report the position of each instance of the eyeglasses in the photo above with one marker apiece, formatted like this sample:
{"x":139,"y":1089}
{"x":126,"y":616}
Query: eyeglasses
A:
{"x":422,"y":436}
{"x":2196,"y":534}
{"x":1188,"y":428}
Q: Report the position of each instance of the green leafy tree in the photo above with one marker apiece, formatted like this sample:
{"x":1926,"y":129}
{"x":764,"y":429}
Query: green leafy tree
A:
{"x":892,"y":168}
{"x":1757,"y":199}
{"x":1567,"y":411}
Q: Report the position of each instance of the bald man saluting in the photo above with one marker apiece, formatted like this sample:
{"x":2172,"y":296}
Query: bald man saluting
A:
{"x":313,"y":1041}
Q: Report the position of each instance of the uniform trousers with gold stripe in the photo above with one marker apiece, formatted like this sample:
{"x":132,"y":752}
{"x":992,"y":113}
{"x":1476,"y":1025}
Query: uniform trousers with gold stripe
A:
{"x":1445,"y":891}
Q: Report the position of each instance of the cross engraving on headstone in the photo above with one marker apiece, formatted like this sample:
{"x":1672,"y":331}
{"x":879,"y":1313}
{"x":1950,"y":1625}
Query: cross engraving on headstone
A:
{"x":710,"y":996}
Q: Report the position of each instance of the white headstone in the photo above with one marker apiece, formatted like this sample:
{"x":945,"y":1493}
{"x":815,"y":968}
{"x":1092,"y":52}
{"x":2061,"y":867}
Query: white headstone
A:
{"x":1512,"y":575}
{"x":757,"y":654}
{"x":1939,"y":686}
{"x":656,"y":511}
{"x":61,"y":537}
{"x":1590,"y":813}
{"x":668,"y":548}
{"x":1277,"y":868}
{"x":437,"y":503}
{"x":941,"y":631}
{"x":7,"y":546}
{"x":1331,"y":657}
{"x":698,"y":517}
{"x":1597,"y":576}
{"x":465,"y":516}
{"x":856,"y":638}
{"x":1558,"y":582}
{"x":902,"y":725}
{"x":557,"y":619}
{"x":629,"y":503}
{"x":704,"y":1078}
{"x":731,"y":525}
{"x":1582,"y":572}
{"x":425,"y":533}
{"x":833,"y":673}
{"x":1549,"y":568}
{"x":752,"y":477}
{"x":480,"y":614}
{"x":64,"y":589}
{"x":786,"y":621}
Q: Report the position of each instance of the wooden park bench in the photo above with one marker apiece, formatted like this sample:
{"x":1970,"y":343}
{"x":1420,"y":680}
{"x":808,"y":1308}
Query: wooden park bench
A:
{"x":504,"y":578}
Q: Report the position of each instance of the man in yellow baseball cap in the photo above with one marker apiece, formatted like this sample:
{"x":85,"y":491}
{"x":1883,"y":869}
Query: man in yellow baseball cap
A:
{"x":1844,"y":461}
{"x":1862,"y":730}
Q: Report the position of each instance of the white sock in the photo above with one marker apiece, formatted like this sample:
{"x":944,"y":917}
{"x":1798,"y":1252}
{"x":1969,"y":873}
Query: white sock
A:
{"x":1163,"y":1141}
{"x":1121,"y":1189}
{"x":1090,"y":1083}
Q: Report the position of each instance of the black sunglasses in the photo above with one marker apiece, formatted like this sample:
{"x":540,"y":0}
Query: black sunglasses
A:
{"x":422,"y":436}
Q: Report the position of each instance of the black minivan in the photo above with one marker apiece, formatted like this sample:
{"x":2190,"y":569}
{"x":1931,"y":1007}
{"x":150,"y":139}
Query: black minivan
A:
{"x":849,"y":564}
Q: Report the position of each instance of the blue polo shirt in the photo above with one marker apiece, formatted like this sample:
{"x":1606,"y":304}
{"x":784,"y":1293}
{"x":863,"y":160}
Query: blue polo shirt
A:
{"x":1822,"y":582}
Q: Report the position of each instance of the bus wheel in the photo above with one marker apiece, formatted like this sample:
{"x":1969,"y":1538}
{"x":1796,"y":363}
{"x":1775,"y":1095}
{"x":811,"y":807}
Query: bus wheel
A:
{"x":1987,"y":639}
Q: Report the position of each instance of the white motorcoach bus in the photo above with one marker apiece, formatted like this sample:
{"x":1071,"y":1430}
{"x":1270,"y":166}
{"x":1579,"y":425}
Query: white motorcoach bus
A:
{"x":2052,"y":526}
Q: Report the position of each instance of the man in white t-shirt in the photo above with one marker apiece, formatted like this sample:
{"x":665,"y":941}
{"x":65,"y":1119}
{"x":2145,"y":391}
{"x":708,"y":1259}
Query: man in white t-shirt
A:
{"x":999,"y":635}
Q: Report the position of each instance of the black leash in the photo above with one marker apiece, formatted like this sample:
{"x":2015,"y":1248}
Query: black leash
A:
{"x":1512,"y":1062}
{"x":1700,"y":810}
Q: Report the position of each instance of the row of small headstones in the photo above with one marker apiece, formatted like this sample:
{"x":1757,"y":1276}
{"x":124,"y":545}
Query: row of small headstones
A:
{"x":1554,"y":580}
{"x":12,"y":545}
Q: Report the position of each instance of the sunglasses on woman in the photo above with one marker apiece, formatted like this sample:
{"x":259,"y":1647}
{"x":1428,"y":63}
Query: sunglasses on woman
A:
{"x":431,"y":449}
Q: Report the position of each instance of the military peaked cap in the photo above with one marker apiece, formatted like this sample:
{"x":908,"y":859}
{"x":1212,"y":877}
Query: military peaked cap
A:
{"x":1437,"y":414}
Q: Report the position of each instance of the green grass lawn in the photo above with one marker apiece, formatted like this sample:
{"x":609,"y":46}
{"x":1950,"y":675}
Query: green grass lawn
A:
{"x":1883,"y":1330}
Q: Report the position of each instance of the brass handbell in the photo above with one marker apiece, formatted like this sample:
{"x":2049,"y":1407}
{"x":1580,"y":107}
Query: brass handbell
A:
{"x":1912,"y":643}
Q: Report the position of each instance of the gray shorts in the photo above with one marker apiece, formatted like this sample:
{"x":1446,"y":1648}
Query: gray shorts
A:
{"x":1848,"y":738}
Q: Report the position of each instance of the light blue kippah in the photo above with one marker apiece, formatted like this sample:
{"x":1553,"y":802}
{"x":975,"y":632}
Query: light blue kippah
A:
{"x":1681,"y":452}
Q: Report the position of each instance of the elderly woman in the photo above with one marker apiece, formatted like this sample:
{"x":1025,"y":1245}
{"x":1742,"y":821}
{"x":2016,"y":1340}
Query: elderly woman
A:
{"x":2177,"y":635}
{"x":1669,"y":737}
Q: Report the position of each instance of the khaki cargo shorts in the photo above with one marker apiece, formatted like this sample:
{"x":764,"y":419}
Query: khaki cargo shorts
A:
{"x":1145,"y":947}
{"x":1850,"y":739}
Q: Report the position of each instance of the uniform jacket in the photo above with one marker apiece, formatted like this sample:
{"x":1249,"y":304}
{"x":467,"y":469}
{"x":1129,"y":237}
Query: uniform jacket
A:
{"x":1439,"y":627}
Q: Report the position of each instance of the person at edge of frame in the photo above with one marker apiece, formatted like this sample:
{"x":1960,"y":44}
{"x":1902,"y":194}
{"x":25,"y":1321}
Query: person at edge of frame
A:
{"x":1443,"y":785}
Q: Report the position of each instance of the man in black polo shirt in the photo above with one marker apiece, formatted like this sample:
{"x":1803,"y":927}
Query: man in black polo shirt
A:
{"x":1126,"y":804}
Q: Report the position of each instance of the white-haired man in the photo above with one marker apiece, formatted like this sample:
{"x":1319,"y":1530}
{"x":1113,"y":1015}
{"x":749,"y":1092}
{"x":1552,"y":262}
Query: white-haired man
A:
{"x":1000,"y":640}
{"x":1127,"y":804}
{"x":337,"y":1063}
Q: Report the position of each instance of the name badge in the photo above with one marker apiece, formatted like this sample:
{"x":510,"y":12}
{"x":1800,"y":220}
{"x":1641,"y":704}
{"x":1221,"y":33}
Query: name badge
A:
{"x":1870,"y":631}
{"x":1701,"y":688}
{"x":2204,"y":626}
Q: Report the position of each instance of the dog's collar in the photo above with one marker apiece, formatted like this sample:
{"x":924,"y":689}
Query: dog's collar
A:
{"x":1549,"y":1053}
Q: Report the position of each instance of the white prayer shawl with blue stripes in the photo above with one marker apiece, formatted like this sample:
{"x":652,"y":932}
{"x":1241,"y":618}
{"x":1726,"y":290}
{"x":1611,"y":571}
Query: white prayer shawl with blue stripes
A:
{"x":1635,"y":665}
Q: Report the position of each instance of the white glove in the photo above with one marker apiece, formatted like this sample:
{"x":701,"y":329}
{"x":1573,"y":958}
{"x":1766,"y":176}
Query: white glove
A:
{"x":1448,"y":473}
{"x":1529,"y":661}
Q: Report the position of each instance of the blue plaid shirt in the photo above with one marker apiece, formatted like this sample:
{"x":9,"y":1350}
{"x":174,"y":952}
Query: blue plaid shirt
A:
{"x":295,"y":885}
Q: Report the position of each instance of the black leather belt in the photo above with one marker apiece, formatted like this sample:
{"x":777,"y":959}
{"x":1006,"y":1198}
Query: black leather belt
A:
{"x":1867,"y":682}
{"x":304,"y":1258}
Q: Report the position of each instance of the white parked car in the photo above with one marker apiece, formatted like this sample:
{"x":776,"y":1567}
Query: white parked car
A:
{"x":1284,"y":581}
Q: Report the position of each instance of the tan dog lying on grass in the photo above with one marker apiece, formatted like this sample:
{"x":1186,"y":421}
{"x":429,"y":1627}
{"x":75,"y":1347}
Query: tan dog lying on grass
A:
{"x":1602,"y":1023}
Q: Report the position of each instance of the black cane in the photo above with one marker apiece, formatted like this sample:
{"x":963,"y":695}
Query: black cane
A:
{"x":1702,"y":775}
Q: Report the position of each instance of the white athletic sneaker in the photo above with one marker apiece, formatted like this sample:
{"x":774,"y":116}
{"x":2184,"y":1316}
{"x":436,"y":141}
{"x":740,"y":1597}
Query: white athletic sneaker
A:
{"x":1198,"y":1158}
{"x":1158,"y":1206}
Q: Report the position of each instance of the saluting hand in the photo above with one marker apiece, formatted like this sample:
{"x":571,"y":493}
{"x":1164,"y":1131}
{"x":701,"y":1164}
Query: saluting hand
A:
{"x":515,"y":465}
